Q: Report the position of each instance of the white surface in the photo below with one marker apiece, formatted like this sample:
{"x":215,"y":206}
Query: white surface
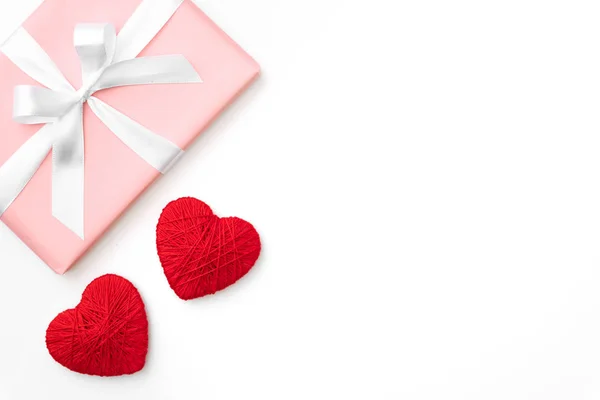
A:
{"x":425,"y":176}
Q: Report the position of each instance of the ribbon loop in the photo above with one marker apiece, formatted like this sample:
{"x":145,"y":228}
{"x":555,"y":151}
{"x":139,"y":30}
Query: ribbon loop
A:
{"x":37,"y":105}
{"x":95,"y":45}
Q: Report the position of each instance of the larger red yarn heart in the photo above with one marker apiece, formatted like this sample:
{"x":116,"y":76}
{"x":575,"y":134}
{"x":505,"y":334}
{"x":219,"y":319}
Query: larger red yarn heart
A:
{"x":106,"y":334}
{"x":200,"y":252}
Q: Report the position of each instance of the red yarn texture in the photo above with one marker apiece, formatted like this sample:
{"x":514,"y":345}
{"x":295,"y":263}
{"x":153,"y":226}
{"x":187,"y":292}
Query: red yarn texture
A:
{"x":200,"y":252}
{"x":106,"y":334}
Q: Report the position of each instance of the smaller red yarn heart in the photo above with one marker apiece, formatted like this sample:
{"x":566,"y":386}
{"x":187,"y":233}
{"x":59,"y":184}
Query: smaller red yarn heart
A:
{"x":200,"y":252}
{"x":106,"y":334}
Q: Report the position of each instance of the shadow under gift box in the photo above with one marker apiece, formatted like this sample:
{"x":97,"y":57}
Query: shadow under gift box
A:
{"x":114,"y":175}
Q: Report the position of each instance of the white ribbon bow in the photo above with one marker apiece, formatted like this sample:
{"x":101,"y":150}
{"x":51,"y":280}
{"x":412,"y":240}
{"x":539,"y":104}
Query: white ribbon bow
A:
{"x":106,"y":63}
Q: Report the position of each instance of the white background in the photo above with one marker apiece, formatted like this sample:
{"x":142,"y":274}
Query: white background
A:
{"x":425,"y":176}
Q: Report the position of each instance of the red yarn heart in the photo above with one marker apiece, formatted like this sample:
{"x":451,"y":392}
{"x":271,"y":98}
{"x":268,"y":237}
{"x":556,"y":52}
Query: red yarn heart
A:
{"x":106,"y":334}
{"x":200,"y":252}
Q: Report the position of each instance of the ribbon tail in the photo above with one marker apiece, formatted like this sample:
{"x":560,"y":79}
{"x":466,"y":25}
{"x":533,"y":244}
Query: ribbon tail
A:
{"x":148,"y":70}
{"x":157,"y":151}
{"x":18,"y":170}
{"x":68,"y":172}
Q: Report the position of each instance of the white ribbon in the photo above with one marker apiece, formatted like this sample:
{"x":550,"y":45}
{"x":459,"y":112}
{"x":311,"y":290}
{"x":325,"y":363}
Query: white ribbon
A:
{"x":107,"y":61}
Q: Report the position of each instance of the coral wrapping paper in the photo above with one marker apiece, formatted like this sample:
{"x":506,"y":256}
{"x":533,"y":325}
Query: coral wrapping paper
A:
{"x":114,"y":175}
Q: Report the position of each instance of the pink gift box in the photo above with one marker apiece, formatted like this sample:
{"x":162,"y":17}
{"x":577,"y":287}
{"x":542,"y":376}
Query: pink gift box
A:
{"x":114,"y":175}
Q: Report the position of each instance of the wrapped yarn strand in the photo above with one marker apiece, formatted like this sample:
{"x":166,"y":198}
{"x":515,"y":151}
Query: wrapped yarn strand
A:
{"x":106,"y":334}
{"x":200,"y":252}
